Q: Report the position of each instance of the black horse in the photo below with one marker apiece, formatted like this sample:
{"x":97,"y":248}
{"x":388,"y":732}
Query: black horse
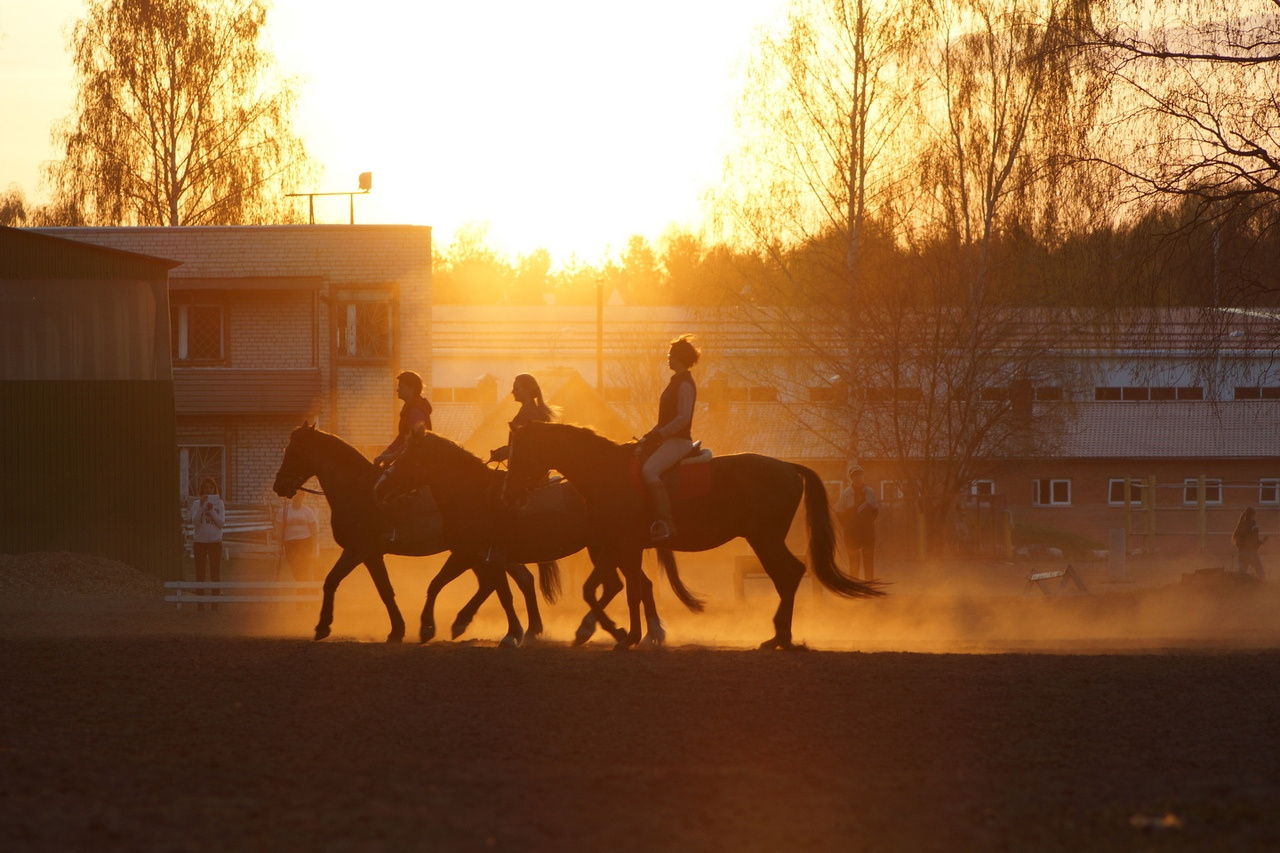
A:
{"x":550,"y":523}
{"x":752,"y":496}
{"x":361,"y":526}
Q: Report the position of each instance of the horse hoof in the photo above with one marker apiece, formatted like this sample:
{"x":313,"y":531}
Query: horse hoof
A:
{"x":530,"y":638}
{"x":771,"y":643}
{"x":395,"y":636}
{"x":321,"y":633}
{"x":581,"y":639}
{"x":509,"y":642}
{"x":426,"y":633}
{"x":457,"y":630}
{"x":621,"y":646}
{"x":620,"y":635}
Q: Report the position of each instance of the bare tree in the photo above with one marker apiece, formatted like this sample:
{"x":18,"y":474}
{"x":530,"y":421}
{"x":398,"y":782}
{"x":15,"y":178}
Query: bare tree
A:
{"x":901,"y":241}
{"x":178,"y":120}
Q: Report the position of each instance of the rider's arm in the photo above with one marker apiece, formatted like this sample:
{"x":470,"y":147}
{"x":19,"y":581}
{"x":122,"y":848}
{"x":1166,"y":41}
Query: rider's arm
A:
{"x":684,"y":411}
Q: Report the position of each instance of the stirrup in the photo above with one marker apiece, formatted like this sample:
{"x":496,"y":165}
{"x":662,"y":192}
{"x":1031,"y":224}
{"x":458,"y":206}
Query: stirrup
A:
{"x":661,"y":531}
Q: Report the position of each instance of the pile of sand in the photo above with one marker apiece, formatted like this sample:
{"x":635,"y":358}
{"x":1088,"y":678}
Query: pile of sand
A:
{"x":63,"y":574}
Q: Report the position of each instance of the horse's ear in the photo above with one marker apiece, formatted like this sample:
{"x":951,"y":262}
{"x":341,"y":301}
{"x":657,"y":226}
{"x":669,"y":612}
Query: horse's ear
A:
{"x":309,"y":424}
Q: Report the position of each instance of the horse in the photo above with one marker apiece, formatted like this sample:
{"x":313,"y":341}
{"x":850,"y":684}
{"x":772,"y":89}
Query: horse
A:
{"x":463,"y":484}
{"x":750,"y":495}
{"x":362,"y":527}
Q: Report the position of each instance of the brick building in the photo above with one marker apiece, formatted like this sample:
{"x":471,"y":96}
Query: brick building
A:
{"x":273,"y":325}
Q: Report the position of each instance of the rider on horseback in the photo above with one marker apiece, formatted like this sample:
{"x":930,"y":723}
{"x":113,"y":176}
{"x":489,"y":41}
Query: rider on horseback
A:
{"x":416,"y":410}
{"x":528,"y":394}
{"x":412,"y":518}
{"x":672,"y":439}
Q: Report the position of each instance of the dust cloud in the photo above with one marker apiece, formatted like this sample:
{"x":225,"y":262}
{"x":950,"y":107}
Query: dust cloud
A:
{"x":946,"y":607}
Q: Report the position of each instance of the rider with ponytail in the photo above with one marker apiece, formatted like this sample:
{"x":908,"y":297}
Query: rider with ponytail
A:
{"x":528,"y":394}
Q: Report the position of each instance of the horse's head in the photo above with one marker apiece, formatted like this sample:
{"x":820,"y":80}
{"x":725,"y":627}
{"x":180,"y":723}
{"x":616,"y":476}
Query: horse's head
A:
{"x":409,"y":471}
{"x":299,"y":463}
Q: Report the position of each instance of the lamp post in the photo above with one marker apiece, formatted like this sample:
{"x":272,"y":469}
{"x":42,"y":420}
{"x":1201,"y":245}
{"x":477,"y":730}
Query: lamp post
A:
{"x":366,"y":184}
{"x":600,"y":335}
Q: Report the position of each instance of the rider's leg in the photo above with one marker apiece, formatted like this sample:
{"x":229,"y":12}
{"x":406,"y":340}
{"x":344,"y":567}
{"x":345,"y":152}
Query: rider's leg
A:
{"x":669,"y":453}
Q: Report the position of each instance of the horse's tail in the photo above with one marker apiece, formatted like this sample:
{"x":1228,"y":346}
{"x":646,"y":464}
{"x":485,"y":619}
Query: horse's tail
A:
{"x":667,"y":560}
{"x":549,"y":580}
{"x":822,"y":541}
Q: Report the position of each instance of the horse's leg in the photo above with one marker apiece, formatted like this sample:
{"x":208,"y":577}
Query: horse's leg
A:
{"x":603,"y":569}
{"x":785,"y":570}
{"x":657,"y":633}
{"x":484,"y":589}
{"x":496,"y":575}
{"x":345,"y":564}
{"x":382,"y":581}
{"x":528,"y":588}
{"x":638,"y":588}
{"x":610,"y":584}
{"x":452,"y":567}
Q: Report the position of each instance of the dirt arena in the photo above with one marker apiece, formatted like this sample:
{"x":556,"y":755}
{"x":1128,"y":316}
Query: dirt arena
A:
{"x":955,"y":714}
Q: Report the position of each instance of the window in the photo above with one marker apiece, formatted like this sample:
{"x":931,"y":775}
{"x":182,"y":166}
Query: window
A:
{"x":982,"y":488}
{"x":1265,"y":392}
{"x":364,"y":330}
{"x":1212,"y":491}
{"x":1138,"y":392}
{"x":195,"y":331}
{"x":1051,"y":492}
{"x":1049,"y":393}
{"x":1115,"y":492}
{"x":1269,"y":491}
{"x":197,"y":461}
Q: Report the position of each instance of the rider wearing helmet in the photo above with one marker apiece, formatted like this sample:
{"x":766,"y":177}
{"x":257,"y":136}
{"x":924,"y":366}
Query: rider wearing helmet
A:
{"x":672,"y":439}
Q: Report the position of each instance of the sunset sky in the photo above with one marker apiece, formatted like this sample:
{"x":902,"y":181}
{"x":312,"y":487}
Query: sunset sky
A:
{"x":565,"y":124}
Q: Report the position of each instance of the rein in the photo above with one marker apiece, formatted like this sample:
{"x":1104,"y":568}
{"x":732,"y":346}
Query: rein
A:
{"x":311,"y":491}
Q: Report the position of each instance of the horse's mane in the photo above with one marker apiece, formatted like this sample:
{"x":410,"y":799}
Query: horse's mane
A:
{"x":452,"y":452}
{"x":335,"y":444}
{"x":593,"y":439}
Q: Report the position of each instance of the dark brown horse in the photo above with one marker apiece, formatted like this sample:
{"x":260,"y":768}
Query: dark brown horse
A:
{"x":752,"y":496}
{"x":467,"y":493}
{"x":550,"y":523}
{"x":361,"y":527}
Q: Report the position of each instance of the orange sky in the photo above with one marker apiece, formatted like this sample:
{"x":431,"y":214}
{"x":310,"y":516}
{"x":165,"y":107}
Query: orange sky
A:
{"x":562,"y":124}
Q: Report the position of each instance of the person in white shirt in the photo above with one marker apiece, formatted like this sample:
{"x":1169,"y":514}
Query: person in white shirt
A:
{"x":856,"y":510}
{"x":299,"y":530}
{"x":208,"y":514}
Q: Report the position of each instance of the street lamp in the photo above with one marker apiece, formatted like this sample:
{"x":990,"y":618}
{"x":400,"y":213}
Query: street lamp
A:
{"x":365,"y":182}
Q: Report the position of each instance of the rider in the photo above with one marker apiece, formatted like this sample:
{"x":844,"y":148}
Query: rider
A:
{"x":410,"y":519}
{"x":672,"y":439}
{"x":416,"y":410}
{"x":528,"y":394}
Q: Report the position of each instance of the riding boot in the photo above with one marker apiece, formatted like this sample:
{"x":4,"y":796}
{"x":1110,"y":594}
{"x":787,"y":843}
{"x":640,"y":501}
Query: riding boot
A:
{"x":663,"y":527}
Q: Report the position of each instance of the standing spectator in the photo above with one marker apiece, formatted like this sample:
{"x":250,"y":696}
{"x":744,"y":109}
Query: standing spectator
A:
{"x":856,"y":510}
{"x":299,"y":530}
{"x":1247,"y":541}
{"x":208,"y":514}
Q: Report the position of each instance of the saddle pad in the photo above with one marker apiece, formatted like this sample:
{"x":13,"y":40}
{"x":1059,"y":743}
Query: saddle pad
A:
{"x":691,"y":478}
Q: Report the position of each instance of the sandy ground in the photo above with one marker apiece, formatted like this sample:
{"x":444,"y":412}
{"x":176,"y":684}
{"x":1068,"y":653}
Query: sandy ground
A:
{"x":956,"y":714}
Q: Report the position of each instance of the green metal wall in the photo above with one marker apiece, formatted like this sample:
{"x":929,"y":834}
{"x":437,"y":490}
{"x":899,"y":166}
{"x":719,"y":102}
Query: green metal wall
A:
{"x":91,"y":467}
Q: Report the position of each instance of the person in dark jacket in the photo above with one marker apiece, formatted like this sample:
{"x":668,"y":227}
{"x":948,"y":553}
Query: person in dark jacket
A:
{"x":411,"y":518}
{"x":671,"y":440}
{"x":416,"y":410}
{"x":1247,"y":541}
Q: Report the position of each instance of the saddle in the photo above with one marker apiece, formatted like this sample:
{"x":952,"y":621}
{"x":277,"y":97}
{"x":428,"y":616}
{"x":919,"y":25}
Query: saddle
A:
{"x":688,"y":478}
